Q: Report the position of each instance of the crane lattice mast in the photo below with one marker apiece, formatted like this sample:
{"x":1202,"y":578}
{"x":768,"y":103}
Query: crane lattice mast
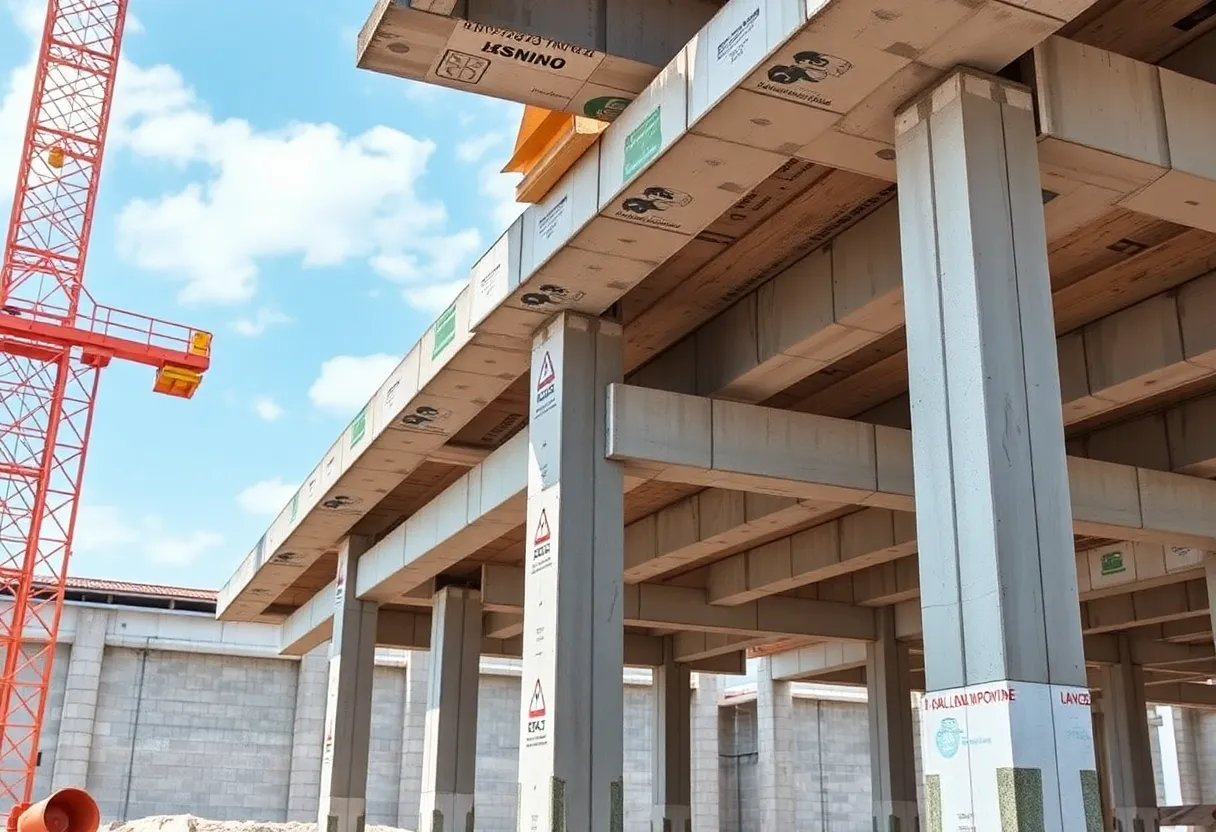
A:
{"x":54,"y":340}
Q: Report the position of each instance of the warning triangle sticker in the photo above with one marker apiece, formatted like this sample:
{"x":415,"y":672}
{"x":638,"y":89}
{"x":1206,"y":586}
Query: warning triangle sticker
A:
{"x":547,"y":376}
{"x":542,"y":529}
{"x":536,"y":708}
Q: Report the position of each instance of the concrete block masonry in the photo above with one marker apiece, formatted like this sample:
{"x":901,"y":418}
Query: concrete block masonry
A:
{"x":226,"y":733}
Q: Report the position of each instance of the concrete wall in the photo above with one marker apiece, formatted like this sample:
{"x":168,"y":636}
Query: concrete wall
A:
{"x":193,"y":716}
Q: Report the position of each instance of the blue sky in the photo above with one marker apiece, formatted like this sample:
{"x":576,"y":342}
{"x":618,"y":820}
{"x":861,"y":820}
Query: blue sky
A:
{"x":315,"y":217}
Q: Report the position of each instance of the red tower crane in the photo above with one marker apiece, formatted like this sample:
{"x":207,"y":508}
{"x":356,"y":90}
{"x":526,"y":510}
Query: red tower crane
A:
{"x":54,"y":340}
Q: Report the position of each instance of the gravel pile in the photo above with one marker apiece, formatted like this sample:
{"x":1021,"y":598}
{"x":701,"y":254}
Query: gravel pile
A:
{"x":189,"y":823}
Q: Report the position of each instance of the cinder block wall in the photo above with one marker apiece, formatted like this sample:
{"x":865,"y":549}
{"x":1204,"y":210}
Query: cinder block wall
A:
{"x":238,"y":737}
{"x":209,"y":734}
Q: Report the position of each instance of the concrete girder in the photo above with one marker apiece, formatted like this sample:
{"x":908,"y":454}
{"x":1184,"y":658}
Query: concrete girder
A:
{"x":686,"y":608}
{"x":412,"y":631}
{"x":699,"y":441}
{"x":1105,"y":615}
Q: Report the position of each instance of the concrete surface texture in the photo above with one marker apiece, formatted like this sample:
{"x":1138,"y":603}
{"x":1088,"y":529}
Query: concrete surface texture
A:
{"x":191,"y":717}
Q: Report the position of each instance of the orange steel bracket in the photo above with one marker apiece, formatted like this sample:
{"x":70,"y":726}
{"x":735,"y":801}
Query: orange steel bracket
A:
{"x":548,"y":145}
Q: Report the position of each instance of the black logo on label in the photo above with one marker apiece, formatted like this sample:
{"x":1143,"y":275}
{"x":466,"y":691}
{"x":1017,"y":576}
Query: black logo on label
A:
{"x":462,"y":67}
{"x":656,"y":198}
{"x":811,"y":67}
{"x":527,"y":56}
{"x":423,"y":416}
{"x":549,"y":293}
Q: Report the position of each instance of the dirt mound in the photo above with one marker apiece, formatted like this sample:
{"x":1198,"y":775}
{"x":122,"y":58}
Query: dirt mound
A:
{"x":189,"y":823}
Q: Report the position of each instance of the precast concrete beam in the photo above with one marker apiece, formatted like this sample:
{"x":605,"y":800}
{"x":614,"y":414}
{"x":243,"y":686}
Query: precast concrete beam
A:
{"x":862,"y":539}
{"x":1162,"y":606}
{"x":674,"y":437}
{"x":687,"y":608}
{"x":412,"y":631}
{"x":588,"y":57}
{"x":1116,"y":569}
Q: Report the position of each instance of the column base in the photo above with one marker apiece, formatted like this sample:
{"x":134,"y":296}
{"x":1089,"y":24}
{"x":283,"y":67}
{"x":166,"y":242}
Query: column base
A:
{"x":1010,"y":755}
{"x":671,"y":819}
{"x":446,"y":813}
{"x":344,"y":814}
{"x":1137,"y":819}
{"x":896,"y":816}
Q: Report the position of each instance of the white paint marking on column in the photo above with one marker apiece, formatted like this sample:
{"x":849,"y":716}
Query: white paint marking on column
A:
{"x":571,"y":747}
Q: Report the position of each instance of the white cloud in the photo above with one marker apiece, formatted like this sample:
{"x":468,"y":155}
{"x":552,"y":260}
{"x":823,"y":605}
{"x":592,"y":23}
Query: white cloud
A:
{"x":472,"y":149}
{"x":302,"y":191}
{"x":434,"y":298}
{"x":346,"y":382}
{"x":268,"y":409}
{"x":500,"y":189}
{"x":267,"y":497}
{"x":106,"y":529}
{"x":259,"y":322}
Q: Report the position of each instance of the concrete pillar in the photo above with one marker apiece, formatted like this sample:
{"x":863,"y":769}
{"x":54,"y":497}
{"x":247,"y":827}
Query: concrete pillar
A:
{"x":449,"y":757}
{"x":308,"y":736}
{"x":75,"y":741}
{"x":1129,"y":755}
{"x":706,"y":754}
{"x":413,"y":738}
{"x":775,"y":748}
{"x":348,"y":705}
{"x":671,"y":771}
{"x":1188,"y":759}
{"x":892,"y":754}
{"x":1008,"y":735}
{"x":571,"y":745}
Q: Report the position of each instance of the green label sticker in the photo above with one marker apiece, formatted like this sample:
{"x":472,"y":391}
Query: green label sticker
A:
{"x":606,"y":107}
{"x":643,"y":144}
{"x":445,"y":331}
{"x":1112,"y":563}
{"x":358,"y":428}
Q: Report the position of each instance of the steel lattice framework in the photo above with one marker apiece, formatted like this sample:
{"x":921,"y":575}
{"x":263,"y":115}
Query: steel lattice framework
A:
{"x":53,"y":341}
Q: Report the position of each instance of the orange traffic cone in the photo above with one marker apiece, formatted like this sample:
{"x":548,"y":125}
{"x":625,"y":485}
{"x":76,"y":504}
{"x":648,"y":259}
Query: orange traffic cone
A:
{"x":67,"y":810}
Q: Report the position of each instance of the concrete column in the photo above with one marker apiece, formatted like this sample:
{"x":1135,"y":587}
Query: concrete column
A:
{"x":1007,"y":734}
{"x":892,"y":747}
{"x":308,"y":736}
{"x":348,"y":706}
{"x":75,"y":741}
{"x":706,"y":754}
{"x":671,"y":771}
{"x":1129,"y":754}
{"x":571,"y":745}
{"x":413,"y":743}
{"x":775,"y":748}
{"x":1188,"y":758}
{"x":449,"y":757}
